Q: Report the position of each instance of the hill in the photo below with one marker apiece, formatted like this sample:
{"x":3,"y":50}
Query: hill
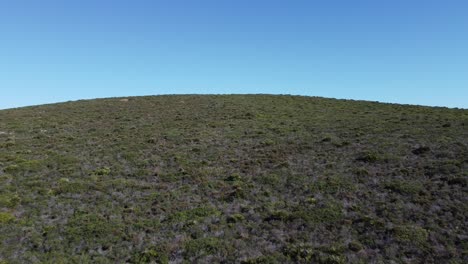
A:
{"x":231,"y":179}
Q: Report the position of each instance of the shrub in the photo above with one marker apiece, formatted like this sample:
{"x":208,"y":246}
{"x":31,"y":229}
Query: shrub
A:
{"x":355,"y":245}
{"x":24,"y":167}
{"x":102,"y":171}
{"x":361,"y":172}
{"x":421,"y":150}
{"x":6,"y":218}
{"x":195,"y":214}
{"x":235,"y":218}
{"x":404,"y":187}
{"x":302,"y":253}
{"x":202,"y":247}
{"x":458,"y":180}
{"x":9,"y":200}
{"x":150,"y":256}
{"x":278,"y":215}
{"x":262,"y":260}
{"x":90,"y":227}
{"x":331,"y":212}
{"x":411,"y":234}
{"x":367,"y":157}
{"x":233,"y":178}
{"x":64,"y":185}
{"x":332,"y":184}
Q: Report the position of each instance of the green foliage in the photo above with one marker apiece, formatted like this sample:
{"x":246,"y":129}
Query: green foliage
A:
{"x":404,"y":187}
{"x":268,"y":142}
{"x":411,"y":234}
{"x":302,"y":253}
{"x":193,"y":215}
{"x":368,"y":157}
{"x":355,"y":245}
{"x":12,"y":168}
{"x":202,"y":247}
{"x":25,"y":166}
{"x":150,"y":256}
{"x":10,"y":142}
{"x":328,"y":213}
{"x":6,"y":218}
{"x":269,"y":179}
{"x":278,"y":215}
{"x":102,"y":171}
{"x":9,"y":200}
{"x":262,"y":260}
{"x":64,"y":185}
{"x":91,"y":227}
{"x":235,"y":218}
{"x":361,"y":172}
{"x":234,"y":178}
{"x":332,"y":184}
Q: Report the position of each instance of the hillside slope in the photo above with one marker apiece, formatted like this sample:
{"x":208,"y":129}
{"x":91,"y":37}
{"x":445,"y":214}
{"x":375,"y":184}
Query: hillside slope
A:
{"x":239,"y":178}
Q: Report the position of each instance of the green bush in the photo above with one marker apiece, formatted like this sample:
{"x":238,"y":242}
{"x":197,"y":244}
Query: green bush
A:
{"x":303,"y":253}
{"x":202,"y":247}
{"x":404,"y":186}
{"x":234,"y":178}
{"x":9,"y":200}
{"x":102,"y":171}
{"x":355,"y":245}
{"x":25,"y":166}
{"x":262,"y":260}
{"x":6,"y":218}
{"x":332,"y":184}
{"x":235,"y":218}
{"x":411,"y":234}
{"x":193,"y":215}
{"x":90,"y":227}
{"x":328,"y":213}
{"x":367,"y":157}
{"x":150,"y":256}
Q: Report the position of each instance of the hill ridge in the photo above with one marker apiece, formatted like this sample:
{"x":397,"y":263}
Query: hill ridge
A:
{"x":234,"y":179}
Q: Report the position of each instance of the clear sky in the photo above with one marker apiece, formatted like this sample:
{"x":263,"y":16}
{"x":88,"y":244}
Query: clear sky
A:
{"x":403,"y":51}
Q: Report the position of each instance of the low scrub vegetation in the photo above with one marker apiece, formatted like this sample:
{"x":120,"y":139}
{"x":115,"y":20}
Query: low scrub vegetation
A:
{"x":233,"y":179}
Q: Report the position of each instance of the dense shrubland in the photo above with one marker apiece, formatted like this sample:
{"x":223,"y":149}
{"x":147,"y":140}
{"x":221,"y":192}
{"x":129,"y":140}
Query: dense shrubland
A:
{"x":234,"y":179}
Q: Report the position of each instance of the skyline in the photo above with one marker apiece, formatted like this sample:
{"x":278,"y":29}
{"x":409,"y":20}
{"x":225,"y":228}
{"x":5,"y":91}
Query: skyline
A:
{"x":398,"y":52}
{"x":216,"y":94}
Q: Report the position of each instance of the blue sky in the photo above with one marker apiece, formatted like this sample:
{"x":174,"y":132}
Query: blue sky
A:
{"x":403,"y":51}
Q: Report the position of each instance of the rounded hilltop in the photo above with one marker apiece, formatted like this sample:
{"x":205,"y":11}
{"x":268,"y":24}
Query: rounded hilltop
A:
{"x":233,"y":179}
